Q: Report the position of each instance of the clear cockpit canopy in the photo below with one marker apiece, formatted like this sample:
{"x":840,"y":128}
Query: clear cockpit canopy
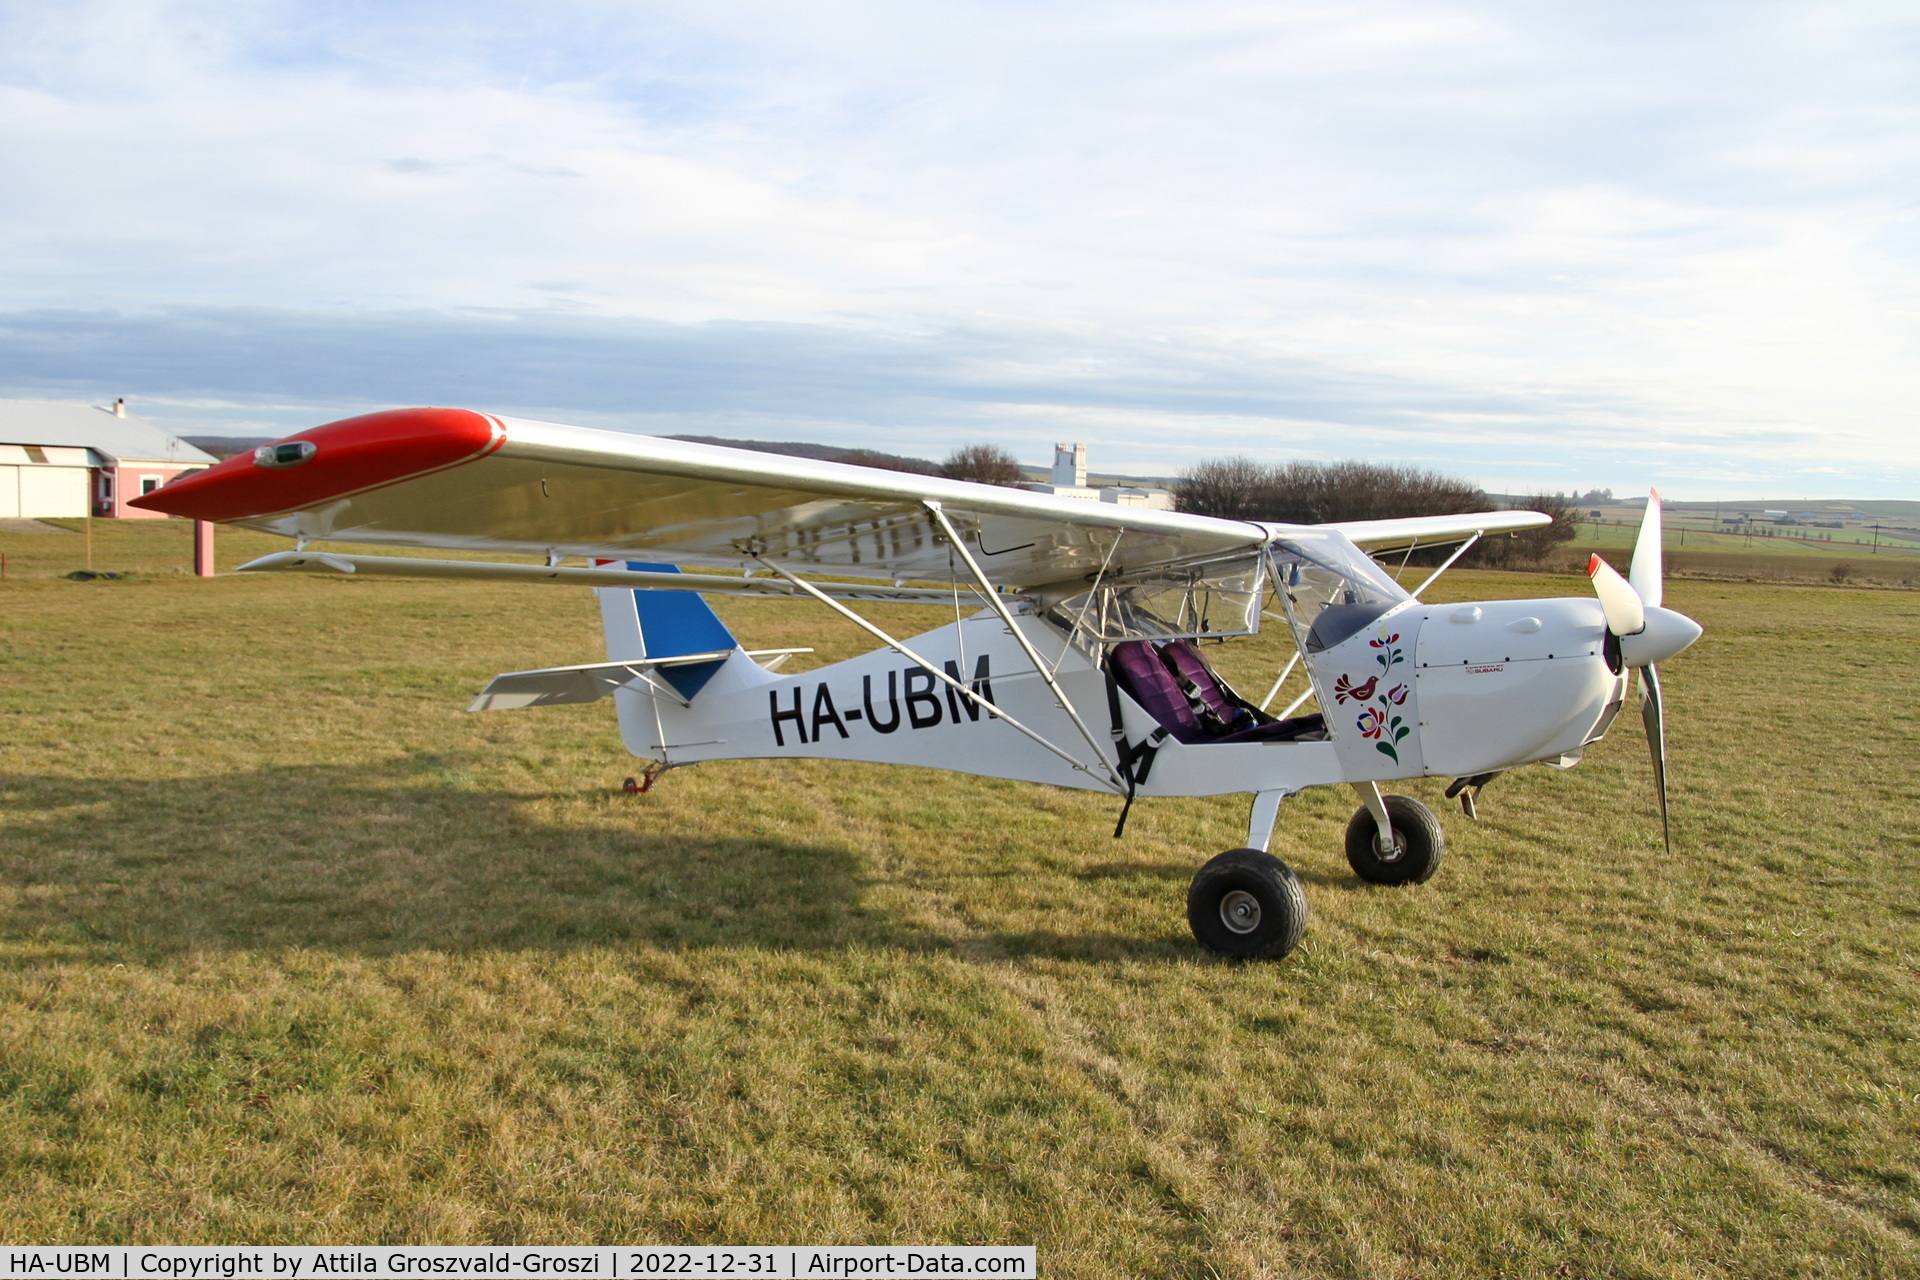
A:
{"x":1330,"y":587}
{"x":1191,"y":603}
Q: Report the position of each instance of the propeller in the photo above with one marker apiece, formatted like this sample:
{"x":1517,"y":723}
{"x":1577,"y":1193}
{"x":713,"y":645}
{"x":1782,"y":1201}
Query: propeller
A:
{"x":1647,"y":634}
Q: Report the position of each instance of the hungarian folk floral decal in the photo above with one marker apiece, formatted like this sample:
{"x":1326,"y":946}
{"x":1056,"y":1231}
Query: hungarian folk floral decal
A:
{"x":1379,"y":717}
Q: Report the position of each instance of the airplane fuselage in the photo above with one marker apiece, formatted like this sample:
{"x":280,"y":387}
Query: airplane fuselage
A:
{"x":1448,"y":690}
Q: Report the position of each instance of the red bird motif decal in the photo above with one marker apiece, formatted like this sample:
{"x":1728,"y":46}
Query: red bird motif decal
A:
{"x":1343,"y":689}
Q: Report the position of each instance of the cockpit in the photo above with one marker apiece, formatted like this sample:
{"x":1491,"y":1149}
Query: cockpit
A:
{"x":1139,"y":623}
{"x":1331,"y":589}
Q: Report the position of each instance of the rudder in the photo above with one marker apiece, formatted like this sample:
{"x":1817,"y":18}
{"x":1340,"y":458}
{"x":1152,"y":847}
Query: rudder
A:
{"x":639,"y":623}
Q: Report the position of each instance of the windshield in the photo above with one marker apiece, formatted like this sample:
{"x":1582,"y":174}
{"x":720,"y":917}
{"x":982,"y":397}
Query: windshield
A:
{"x":1331,"y":588}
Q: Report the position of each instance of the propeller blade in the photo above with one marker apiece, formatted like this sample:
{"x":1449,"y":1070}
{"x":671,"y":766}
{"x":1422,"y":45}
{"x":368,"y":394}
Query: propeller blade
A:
{"x":1652,"y":715}
{"x":1626,"y":615}
{"x":1645,"y":571}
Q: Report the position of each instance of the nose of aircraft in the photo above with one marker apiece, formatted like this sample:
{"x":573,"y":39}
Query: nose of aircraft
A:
{"x":1665,"y":634}
{"x":1647,"y":633}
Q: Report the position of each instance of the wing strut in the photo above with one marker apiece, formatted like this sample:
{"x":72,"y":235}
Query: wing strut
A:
{"x":1459,"y":551}
{"x":999,"y":606}
{"x":934,"y":671}
{"x":1285,"y":671}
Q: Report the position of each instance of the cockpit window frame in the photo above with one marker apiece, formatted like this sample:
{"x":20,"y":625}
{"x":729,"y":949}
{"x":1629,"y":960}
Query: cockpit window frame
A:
{"x":1373,"y":592}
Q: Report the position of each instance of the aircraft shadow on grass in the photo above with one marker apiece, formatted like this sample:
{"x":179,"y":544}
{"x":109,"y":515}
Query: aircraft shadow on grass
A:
{"x":402,"y":856}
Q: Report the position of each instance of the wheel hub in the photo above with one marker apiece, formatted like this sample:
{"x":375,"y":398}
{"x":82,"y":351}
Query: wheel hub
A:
{"x":1240,"y":911}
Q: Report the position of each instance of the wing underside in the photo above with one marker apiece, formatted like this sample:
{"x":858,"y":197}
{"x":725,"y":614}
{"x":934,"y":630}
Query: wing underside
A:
{"x":456,"y":479}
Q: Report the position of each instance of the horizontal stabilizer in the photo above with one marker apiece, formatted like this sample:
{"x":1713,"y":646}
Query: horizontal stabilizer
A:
{"x":589,"y":682}
{"x":330,"y":562}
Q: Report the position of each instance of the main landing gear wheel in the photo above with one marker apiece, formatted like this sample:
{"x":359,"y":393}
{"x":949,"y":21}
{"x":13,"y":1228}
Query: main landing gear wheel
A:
{"x":1418,"y":843}
{"x":1246,"y":903}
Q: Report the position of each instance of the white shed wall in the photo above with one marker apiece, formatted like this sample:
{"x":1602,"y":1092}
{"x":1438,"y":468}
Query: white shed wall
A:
{"x":36,"y":490}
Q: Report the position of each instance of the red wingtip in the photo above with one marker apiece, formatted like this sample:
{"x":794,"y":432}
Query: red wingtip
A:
{"x":1593,"y":565}
{"x":349,"y":456}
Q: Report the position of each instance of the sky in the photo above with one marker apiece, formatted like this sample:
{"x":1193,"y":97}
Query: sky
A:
{"x":1539,"y":246}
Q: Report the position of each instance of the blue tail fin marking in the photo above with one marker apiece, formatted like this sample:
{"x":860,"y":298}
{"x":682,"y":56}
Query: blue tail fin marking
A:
{"x":677,"y":622}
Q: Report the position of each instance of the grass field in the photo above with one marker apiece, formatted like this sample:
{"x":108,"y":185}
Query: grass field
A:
{"x":292,"y":950}
{"x":1803,"y":557}
{"x":1788,"y":541}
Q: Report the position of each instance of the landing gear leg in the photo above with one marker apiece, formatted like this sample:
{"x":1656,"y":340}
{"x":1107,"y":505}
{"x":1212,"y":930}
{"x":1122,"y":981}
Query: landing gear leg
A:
{"x":1369,"y":793}
{"x":1266,"y":811}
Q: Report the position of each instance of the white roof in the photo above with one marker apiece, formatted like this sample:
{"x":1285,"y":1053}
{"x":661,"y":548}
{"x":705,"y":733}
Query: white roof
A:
{"x":87,"y":426}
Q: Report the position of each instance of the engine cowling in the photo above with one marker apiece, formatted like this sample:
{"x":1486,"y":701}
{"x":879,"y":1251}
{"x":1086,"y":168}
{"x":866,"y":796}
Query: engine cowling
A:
{"x":1505,"y":682}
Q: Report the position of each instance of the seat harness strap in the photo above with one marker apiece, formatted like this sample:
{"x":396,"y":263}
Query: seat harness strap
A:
{"x":1135,"y":759}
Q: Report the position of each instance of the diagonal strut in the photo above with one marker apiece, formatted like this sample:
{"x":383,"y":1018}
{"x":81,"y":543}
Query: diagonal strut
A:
{"x":956,"y":685}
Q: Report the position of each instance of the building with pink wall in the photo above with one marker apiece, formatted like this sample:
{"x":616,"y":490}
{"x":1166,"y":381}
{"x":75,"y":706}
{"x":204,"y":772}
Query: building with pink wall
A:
{"x":63,"y":459}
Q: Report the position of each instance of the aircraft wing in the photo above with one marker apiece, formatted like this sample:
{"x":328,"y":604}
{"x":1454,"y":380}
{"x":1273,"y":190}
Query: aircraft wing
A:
{"x":459,"y":479}
{"x":1379,"y":536}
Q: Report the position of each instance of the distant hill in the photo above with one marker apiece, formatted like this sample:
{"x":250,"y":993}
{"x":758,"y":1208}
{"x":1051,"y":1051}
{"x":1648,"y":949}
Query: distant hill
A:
{"x":898,"y":462}
{"x":822,"y":452}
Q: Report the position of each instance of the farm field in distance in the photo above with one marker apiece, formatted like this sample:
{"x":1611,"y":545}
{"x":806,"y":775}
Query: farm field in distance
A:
{"x":293,"y":950}
{"x":1876,"y":543}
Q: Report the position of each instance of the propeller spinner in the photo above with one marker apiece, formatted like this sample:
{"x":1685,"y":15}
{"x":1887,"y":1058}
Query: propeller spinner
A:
{"x":1647,"y":633}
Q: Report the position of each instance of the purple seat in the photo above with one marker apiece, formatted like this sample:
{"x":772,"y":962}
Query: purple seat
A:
{"x":1185,"y":662}
{"x":1137,"y":667}
{"x":1147,"y":674}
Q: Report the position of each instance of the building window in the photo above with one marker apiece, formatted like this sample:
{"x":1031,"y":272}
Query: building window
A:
{"x":106,"y":487}
{"x":35,"y":453}
{"x":148,"y":484}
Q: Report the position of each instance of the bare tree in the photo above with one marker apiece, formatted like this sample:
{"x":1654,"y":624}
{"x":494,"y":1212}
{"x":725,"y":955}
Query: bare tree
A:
{"x":1317,"y":492}
{"x":1239,"y":488}
{"x":983,"y":464}
{"x":1531,"y":546}
{"x":1235,"y":488}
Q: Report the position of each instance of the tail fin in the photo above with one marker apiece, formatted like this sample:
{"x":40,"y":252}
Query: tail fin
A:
{"x":658,"y":624}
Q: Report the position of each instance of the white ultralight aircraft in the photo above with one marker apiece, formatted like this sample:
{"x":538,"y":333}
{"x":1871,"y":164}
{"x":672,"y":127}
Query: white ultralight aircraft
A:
{"x":1070,"y":659}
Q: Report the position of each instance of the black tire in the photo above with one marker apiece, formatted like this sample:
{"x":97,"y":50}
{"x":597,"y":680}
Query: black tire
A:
{"x":1246,"y":903}
{"x":1418,"y":843}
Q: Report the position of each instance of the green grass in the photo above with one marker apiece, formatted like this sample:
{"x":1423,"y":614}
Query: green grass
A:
{"x":292,"y":950}
{"x":1850,"y":544}
{"x":1692,"y":551}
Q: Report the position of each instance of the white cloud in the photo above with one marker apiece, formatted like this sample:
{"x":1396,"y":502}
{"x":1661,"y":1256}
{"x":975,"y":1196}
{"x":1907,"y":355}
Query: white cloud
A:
{"x":1663,"y":236}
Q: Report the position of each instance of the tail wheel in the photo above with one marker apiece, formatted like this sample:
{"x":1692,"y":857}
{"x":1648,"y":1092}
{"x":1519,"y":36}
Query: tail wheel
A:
{"x":1246,"y":903}
{"x":1418,"y":844}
